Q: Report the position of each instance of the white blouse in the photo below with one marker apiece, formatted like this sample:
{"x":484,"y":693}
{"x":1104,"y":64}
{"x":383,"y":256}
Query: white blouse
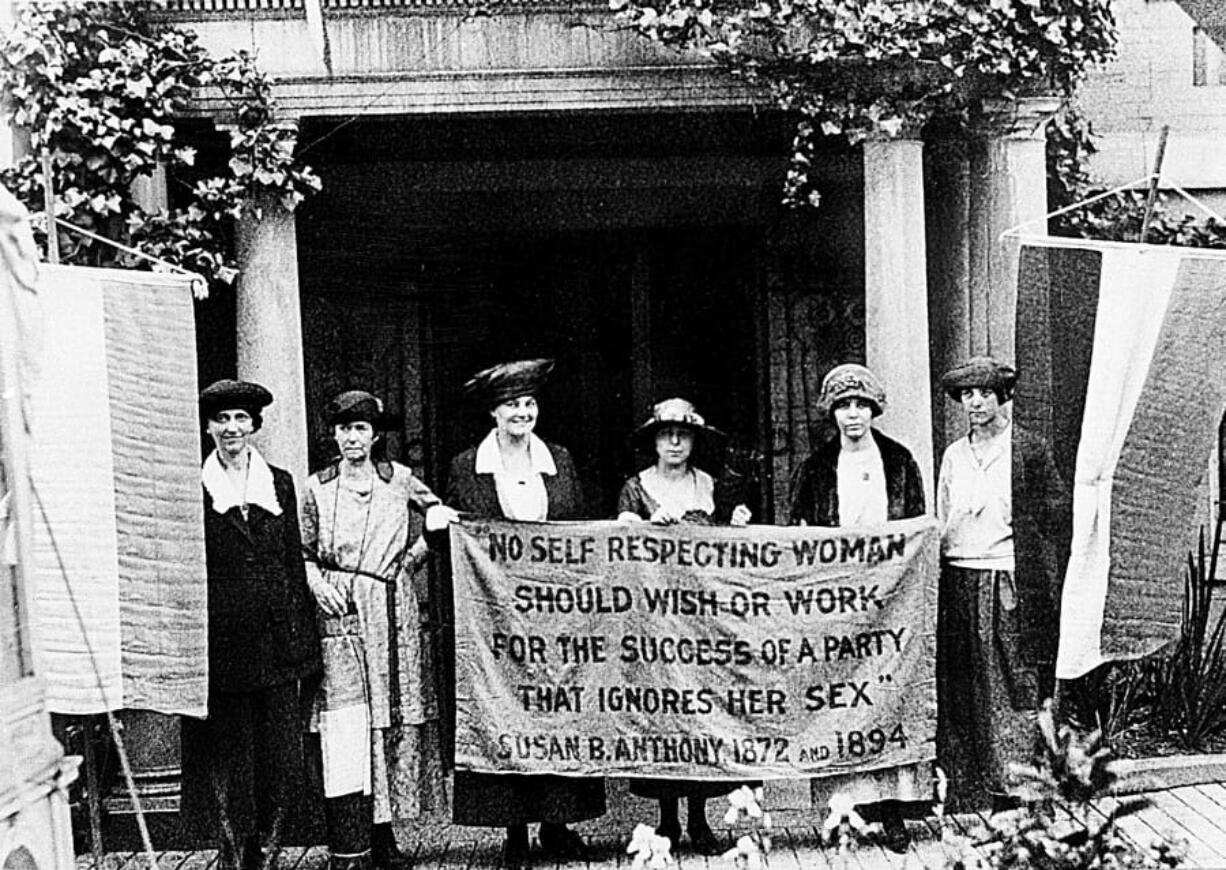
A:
{"x":521,"y":496}
{"x":862,"y":492}
{"x":975,"y":504}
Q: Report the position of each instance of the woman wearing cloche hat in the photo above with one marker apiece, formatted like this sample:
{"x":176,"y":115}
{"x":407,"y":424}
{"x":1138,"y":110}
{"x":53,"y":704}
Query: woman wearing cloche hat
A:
{"x":375,"y":712}
{"x":243,"y":766}
{"x":670,"y":490}
{"x":514,"y":474}
{"x":1001,"y":504}
{"x":861,"y":477}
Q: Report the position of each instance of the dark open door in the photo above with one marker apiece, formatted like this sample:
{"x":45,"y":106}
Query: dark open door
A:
{"x":632,"y":317}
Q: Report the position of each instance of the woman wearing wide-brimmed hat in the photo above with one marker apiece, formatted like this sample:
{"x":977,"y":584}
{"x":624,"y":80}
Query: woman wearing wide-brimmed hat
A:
{"x":862,"y":477}
{"x":376,"y":711}
{"x":1002,"y":506}
{"x":243,"y":766}
{"x":514,"y":474}
{"x":674,"y":489}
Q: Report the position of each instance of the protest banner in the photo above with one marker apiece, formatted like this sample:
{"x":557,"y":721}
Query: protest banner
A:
{"x":698,"y":652}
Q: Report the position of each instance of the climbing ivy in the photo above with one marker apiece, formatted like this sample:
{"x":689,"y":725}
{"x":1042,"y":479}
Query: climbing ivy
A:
{"x":98,"y":86}
{"x":859,"y":68}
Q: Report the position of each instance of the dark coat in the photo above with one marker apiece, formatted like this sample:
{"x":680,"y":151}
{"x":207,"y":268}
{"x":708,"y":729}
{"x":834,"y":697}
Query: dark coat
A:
{"x":495,"y":800}
{"x":469,"y":492}
{"x":815,"y":485}
{"x":261,"y":615}
{"x":1042,"y":525}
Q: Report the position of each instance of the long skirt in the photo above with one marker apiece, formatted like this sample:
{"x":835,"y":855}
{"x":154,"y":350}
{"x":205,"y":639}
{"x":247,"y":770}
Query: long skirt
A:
{"x":243,"y":768}
{"x":398,"y":764}
{"x":671,"y":789}
{"x":987,"y":697}
{"x":502,"y":799}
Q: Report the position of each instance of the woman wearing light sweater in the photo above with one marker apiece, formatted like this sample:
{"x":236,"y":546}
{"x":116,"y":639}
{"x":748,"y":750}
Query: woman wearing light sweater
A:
{"x":1001,"y":504}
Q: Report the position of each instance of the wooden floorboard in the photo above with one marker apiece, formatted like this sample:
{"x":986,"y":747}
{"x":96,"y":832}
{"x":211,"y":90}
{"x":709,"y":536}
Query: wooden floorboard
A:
{"x":1185,"y":823}
{"x":1207,"y":818}
{"x":1195,"y":815}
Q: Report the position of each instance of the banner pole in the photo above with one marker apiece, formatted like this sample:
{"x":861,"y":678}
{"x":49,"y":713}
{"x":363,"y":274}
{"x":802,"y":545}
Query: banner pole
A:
{"x":1152,"y":196}
{"x":53,"y":239}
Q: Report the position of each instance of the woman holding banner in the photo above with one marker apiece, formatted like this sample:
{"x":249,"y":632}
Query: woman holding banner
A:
{"x":669,"y":491}
{"x":375,"y":712}
{"x":1001,"y":503}
{"x":861,"y":478}
{"x":513,"y":474}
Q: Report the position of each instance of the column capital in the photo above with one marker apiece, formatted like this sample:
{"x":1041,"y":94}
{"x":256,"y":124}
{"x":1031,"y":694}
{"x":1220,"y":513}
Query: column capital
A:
{"x":907,"y":131}
{"x":1023,"y":117}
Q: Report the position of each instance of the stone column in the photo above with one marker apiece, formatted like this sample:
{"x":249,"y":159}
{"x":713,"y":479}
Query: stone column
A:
{"x":1008,"y":187}
{"x":269,"y":323}
{"x":947,"y":177}
{"x":896,"y":291}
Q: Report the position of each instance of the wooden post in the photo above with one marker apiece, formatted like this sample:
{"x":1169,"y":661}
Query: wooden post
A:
{"x":1152,"y":196}
{"x":53,"y":234}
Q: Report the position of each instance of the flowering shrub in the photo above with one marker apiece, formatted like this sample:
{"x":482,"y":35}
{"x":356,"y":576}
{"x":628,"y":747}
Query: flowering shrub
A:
{"x":1073,"y":769}
{"x":752,"y":848}
{"x":650,"y":850}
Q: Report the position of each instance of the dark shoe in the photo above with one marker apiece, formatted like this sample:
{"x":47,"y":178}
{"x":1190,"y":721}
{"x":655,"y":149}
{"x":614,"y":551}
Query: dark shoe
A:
{"x":385,"y":853}
{"x":894,"y":833}
{"x":560,"y":842}
{"x":671,"y":830}
{"x":704,"y":842}
{"x":1003,"y":803}
{"x":253,"y":855}
{"x":515,"y":849}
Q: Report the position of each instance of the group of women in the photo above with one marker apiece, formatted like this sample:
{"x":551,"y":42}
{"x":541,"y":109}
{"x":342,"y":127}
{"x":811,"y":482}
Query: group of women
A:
{"x":322,"y":621}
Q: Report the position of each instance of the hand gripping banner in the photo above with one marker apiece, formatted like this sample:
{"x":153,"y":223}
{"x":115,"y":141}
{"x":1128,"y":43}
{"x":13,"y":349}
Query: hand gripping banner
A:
{"x":612,"y":649}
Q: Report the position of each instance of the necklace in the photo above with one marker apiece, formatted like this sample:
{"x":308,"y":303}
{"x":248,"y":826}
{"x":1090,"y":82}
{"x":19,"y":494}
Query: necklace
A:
{"x":332,"y":554}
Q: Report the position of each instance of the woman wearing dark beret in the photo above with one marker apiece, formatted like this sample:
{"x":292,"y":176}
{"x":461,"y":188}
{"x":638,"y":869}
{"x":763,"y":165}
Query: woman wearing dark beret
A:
{"x":513,"y":474}
{"x":1001,"y":504}
{"x":242,"y":767}
{"x":672,"y":489}
{"x":375,"y":712}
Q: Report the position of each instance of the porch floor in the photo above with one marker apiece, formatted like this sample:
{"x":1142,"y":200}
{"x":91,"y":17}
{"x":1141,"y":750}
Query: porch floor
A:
{"x":1195,"y":815}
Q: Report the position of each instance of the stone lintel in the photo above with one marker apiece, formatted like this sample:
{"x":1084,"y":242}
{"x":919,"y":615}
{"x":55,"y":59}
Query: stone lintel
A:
{"x":660,"y":88}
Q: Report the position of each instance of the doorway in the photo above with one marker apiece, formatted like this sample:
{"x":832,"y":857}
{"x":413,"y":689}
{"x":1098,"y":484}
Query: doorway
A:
{"x":631,"y":316}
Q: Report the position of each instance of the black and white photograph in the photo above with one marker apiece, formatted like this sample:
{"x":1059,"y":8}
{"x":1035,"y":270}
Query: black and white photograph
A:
{"x":612,"y":434}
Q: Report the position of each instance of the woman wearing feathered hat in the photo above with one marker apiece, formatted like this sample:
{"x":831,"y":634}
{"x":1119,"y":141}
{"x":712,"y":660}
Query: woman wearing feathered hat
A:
{"x":242,"y":767}
{"x":670,"y":490}
{"x":514,"y":474}
{"x":1002,"y":507}
{"x":862,"y":477}
{"x":376,"y":711}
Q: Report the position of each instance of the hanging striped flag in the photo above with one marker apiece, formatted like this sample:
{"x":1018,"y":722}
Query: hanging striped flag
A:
{"x":1121,"y":352}
{"x":120,"y":597}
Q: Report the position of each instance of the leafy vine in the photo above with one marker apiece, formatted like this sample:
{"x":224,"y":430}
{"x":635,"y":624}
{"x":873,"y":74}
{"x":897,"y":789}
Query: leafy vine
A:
{"x":98,"y":87}
{"x":860,"y":68}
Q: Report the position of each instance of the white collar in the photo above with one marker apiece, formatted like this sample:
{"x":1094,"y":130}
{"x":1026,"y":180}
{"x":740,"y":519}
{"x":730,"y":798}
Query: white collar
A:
{"x":260,"y":489}
{"x":489,"y":457}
